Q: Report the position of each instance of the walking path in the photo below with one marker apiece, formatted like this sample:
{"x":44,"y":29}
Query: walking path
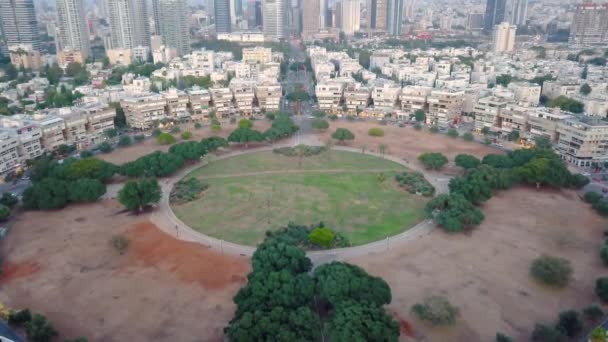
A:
{"x":165,"y":219}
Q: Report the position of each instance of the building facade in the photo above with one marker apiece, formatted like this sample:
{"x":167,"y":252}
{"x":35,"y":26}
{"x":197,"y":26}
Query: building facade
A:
{"x":19,"y":25}
{"x":495,"y":14}
{"x":276,"y":26}
{"x":174,"y":26}
{"x":589,"y":25}
{"x":223,"y":23}
{"x":504,"y":37}
{"x":351,"y":13}
{"x":129,"y":25}
{"x":394,"y":17}
{"x":73,"y":31}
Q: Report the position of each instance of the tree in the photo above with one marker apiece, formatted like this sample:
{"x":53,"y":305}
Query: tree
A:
{"x":585,"y":89}
{"x":567,"y":104}
{"x":375,"y":132}
{"x":322,"y":237}
{"x":86,"y":154}
{"x":186,"y":135}
{"x":190,"y":150}
{"x":245,"y":123}
{"x":437,"y":310}
{"x":139,"y":138}
{"x":542,"y":142}
{"x":88,"y":168}
{"x":453,"y":212}
{"x":592,"y":197}
{"x":601,"y":207}
{"x":452,"y":133}
{"x":497,"y":161}
{"x":545,"y":333}
{"x":86,"y":190}
{"x":354,"y":321}
{"x":338,"y":282}
{"x":343,"y":134}
{"x":504,"y":79}
{"x":434,"y":129}
{"x":105,"y":147}
{"x":593,"y":312}
{"x":468,"y":136}
{"x":601,"y":289}
{"x":111,"y":133}
{"x":273,"y":256}
{"x":543,"y":171}
{"x":245,"y":136}
{"x":282,"y":127}
{"x":46,"y":194}
{"x":485,"y":130}
{"x":551,"y":271}
{"x":604,"y":253}
{"x":320,"y":124}
{"x":5,"y":212}
{"x":419,"y":115}
{"x":39,"y":329}
{"x":165,"y":139}
{"x":467,"y":161}
{"x":120,"y":120}
{"x":433,"y":161}
{"x":417,"y":126}
{"x":500,"y":337}
{"x":138,"y":194}
{"x":156,"y":132}
{"x":9,"y":200}
{"x":513,"y":136}
{"x":124,"y":141}
{"x":569,"y":323}
{"x":155,"y":164}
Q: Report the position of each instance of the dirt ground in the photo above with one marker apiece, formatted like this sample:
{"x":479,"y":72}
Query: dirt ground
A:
{"x":63,"y":265}
{"x":408,"y":143}
{"x":485,"y":273}
{"x":127,"y":154}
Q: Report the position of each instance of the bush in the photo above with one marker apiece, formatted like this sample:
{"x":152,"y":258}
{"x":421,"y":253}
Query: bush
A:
{"x":452,"y":133}
{"x":105,"y":147}
{"x":320,"y":124}
{"x":601,"y":207}
{"x":39,"y":329}
{"x":545,"y":333}
{"x":300,"y":150}
{"x":187,"y":190}
{"x":139,"y":138}
{"x":9,"y":200}
{"x":414,"y":182}
{"x":593,"y":312}
{"x":467,"y":161}
{"x":604,"y":253}
{"x":376,"y":132}
{"x":175,"y":130}
{"x":270,"y":116}
{"x":165,"y":139}
{"x":569,"y":324}
{"x":503,"y":338}
{"x":453,"y":212}
{"x":436,"y":310}
{"x":5,"y":212}
{"x":433,"y":161}
{"x":468,"y":136}
{"x":19,"y":317}
{"x":487,"y":141}
{"x":245,"y":123}
{"x":434,"y":129}
{"x":216,"y":128}
{"x":601,"y":289}
{"x":187,"y":135}
{"x":124,"y":140}
{"x":120,"y":242}
{"x":156,"y":132}
{"x":592,"y":197}
{"x":578,"y":181}
{"x":198,"y":126}
{"x":417,"y":126}
{"x":86,"y":154}
{"x":322,"y":237}
{"x":551,"y":271}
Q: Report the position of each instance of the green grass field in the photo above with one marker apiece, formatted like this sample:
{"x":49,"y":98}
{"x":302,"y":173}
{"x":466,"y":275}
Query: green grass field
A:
{"x":341,"y":189}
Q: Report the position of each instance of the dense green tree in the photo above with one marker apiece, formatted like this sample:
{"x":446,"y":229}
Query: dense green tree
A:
{"x":282,"y":127}
{"x":453,"y":212}
{"x":120,"y":120}
{"x":542,"y":171}
{"x":322,"y":237}
{"x":504,"y":79}
{"x":592,"y":197}
{"x":604,"y":253}
{"x":513,"y":135}
{"x":214,"y":143}
{"x":86,"y":190}
{"x":601,"y":289}
{"x":567,"y":104}
{"x":165,"y":139}
{"x":593,"y":312}
{"x":545,"y":333}
{"x":320,"y":124}
{"x":105,"y":147}
{"x":543,"y":142}
{"x":39,"y":329}
{"x":111,"y":133}
{"x":361,"y":321}
{"x":601,"y":207}
{"x":585,"y":89}
{"x":497,"y":161}
{"x":452,"y":133}
{"x":86,"y":154}
{"x":551,"y":271}
{"x":468,"y":136}
{"x":138,"y":194}
{"x":467,"y":161}
{"x":186,"y":135}
{"x":245,"y":123}
{"x":478,"y":185}
{"x":273,"y":256}
{"x":5,"y":212}
{"x":156,"y":164}
{"x":485,"y":130}
{"x":578,"y":181}
{"x":245,"y":136}
{"x":343,"y":134}
{"x":500,"y":337}
{"x":433,"y":161}
{"x":124,"y":141}
{"x":89,"y":168}
{"x":338,"y":282}
{"x":78,"y":72}
{"x":569,"y":323}
{"x":9,"y":200}
{"x":419,"y":115}
{"x":48,"y":193}
{"x":190,"y":150}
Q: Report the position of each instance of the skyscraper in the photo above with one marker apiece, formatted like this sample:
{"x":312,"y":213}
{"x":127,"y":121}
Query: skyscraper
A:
{"x":408,"y":11}
{"x":589,"y":25}
{"x":350,"y":16}
{"x":376,"y":14}
{"x":276,"y":26}
{"x":174,"y":26}
{"x":222,"y":16}
{"x":394,"y":17}
{"x":518,"y":12}
{"x":495,"y":14}
{"x":311,"y":21}
{"x":322,"y":13}
{"x":128,"y":24}
{"x":504,"y":37}
{"x":19,"y":25}
{"x":157,"y":15}
{"x":73,"y":32}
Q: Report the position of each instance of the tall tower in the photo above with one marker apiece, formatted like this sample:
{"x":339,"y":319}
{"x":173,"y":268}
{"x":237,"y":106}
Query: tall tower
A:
{"x":157,"y":15}
{"x":73,"y":32}
{"x":408,"y":10}
{"x":504,"y":37}
{"x":376,"y":14}
{"x":128,"y":23}
{"x":322,"y":13}
{"x":174,"y":25}
{"x":589,"y":25}
{"x":311,"y":21}
{"x":518,"y":12}
{"x":495,"y":14}
{"x":222,"y":16}
{"x":394,"y":17}
{"x":19,"y":25}
{"x":276,"y":26}
{"x":351,"y":13}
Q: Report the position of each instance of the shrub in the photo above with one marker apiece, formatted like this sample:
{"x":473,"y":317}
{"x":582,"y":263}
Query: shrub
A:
{"x":197,"y":125}
{"x":86,"y":154}
{"x":545,"y":333}
{"x":5,"y":212}
{"x":417,"y":126}
{"x":120,"y":242}
{"x":139,"y":138}
{"x":414,"y":182}
{"x":175,"y":130}
{"x":433,"y":161}
{"x":487,"y":141}
{"x":9,"y":200}
{"x":187,"y":191}
{"x":39,"y":329}
{"x":601,"y":289}
{"x":270,"y":116}
{"x":244,"y":123}
{"x":604,"y":253}
{"x":322,"y":237}
{"x":551,"y":271}
{"x":500,"y":337}
{"x":187,"y":135}
{"x":376,"y":132}
{"x":19,"y":317}
{"x":467,"y":161}
{"x":216,"y":128}
{"x":601,"y":207}
{"x":453,"y":212}
{"x":598,"y":335}
{"x":156,"y":132}
{"x":592,"y":197}
{"x":320,"y":124}
{"x":436,"y":310}
{"x":569,"y":324}
{"x":165,"y":139}
{"x":105,"y":147}
{"x":593,"y":312}
{"x":124,"y":140}
{"x":333,"y":117}
{"x":300,"y":150}
{"x":434,"y":129}
{"x":452,"y":133}
{"x":577,"y":181}
{"x":468,"y":136}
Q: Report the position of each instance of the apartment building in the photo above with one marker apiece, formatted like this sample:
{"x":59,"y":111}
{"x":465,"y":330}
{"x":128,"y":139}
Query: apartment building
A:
{"x":553,"y":89}
{"x":329,"y":95}
{"x":144,"y":110}
{"x":244,"y":94}
{"x":222,"y":101}
{"x":487,"y":111}
{"x":199,"y":100}
{"x":257,"y":54}
{"x":385,"y":95}
{"x":513,"y":117}
{"x":526,"y":92}
{"x":414,"y":98}
{"x":268,"y":96}
{"x":445,"y":106}
{"x":203,"y":60}
{"x":100,"y":118}
{"x":356,"y":97}
{"x":176,"y":103}
{"x":583,"y":140}
{"x":542,"y":122}
{"x":9,"y":154}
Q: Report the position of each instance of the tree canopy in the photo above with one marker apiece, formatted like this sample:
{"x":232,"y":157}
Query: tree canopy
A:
{"x":245,"y":136}
{"x":433,"y":161}
{"x":138,"y":194}
{"x":343,"y":134}
{"x":453,"y":212}
{"x":467,"y":161}
{"x":359,"y":321}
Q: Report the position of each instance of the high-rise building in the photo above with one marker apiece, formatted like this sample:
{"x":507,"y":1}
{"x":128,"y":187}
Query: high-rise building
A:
{"x":518,"y":12}
{"x":223,"y":23}
{"x":19,"y":25}
{"x":276,"y":26}
{"x":589,"y":25}
{"x":73,"y":32}
{"x":376,"y":14}
{"x":311,"y":21}
{"x":322,"y":13}
{"x":351,"y":15}
{"x":295,"y":20}
{"x":259,"y":18}
{"x":495,"y":14}
{"x":157,"y":15}
{"x":173,"y":25}
{"x":504,"y":37}
{"x":394,"y":17}
{"x":128,"y":24}
{"x":408,"y":10}
{"x":474,"y":21}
